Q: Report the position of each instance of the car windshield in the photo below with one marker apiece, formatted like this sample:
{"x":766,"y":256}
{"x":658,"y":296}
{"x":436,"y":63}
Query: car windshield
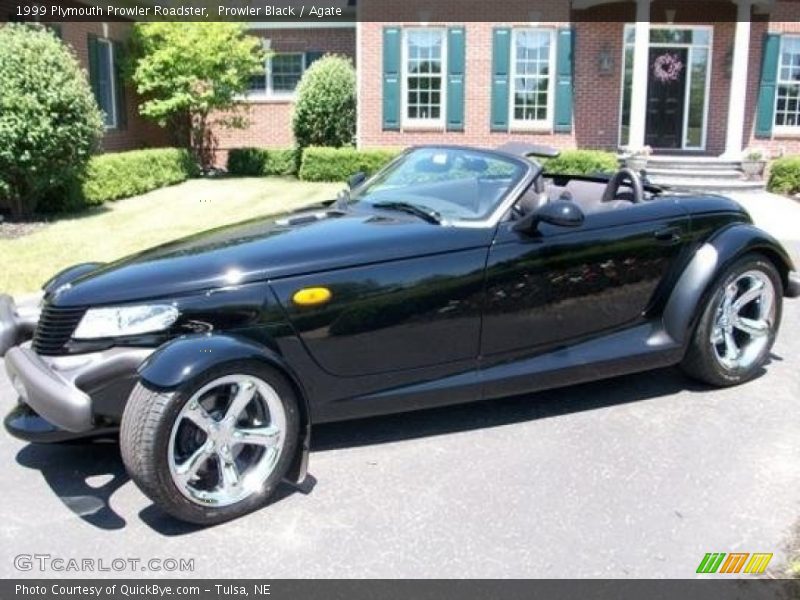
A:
{"x":451,"y":183}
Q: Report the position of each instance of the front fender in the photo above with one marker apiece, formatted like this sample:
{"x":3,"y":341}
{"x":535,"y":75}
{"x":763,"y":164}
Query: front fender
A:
{"x":179,"y":361}
{"x":69,"y":275}
{"x":709,"y":261}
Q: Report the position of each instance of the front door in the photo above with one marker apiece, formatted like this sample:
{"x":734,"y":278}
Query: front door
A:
{"x":666,"y":92}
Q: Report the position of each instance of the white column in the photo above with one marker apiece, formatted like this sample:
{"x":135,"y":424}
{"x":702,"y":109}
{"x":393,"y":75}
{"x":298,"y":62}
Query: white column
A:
{"x":359,"y":106}
{"x":736,"y":99}
{"x":640,"y":69}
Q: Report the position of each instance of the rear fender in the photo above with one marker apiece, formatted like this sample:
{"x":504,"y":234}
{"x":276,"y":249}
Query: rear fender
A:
{"x":177,"y":363}
{"x":681,"y":312}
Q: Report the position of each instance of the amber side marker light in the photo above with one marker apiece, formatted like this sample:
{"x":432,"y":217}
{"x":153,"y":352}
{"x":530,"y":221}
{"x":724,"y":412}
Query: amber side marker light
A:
{"x":311,"y":296}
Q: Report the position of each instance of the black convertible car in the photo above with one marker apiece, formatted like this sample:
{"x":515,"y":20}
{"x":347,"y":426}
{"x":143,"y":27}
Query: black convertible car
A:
{"x":454,"y":274}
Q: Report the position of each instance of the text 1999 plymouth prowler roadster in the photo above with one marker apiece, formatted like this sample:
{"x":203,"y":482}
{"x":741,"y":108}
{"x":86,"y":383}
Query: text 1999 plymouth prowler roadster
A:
{"x":454,"y":274}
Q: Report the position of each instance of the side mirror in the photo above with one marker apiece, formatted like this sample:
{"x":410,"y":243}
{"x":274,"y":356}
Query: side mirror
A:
{"x":356,"y":180}
{"x":561,"y":213}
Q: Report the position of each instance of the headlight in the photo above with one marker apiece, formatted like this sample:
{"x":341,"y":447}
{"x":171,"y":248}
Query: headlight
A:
{"x":125,"y":320}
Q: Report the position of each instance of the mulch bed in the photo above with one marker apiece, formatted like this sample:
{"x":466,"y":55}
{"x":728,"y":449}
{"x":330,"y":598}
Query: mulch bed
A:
{"x":10,"y":229}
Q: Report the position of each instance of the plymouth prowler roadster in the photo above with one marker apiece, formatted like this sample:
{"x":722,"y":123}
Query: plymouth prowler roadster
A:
{"x":454,"y":274}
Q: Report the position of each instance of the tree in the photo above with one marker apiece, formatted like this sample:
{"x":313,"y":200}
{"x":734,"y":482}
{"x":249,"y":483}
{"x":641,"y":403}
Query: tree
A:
{"x":325,"y":113}
{"x":49,"y":120}
{"x":190,"y":75}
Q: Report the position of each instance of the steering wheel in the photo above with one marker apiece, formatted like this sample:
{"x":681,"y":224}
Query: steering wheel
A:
{"x":620,"y":177}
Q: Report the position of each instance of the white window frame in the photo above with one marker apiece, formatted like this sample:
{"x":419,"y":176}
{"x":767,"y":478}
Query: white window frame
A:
{"x":269,"y":92}
{"x":418,"y":123}
{"x":108,"y":45}
{"x":545,"y":124}
{"x":793,"y":130}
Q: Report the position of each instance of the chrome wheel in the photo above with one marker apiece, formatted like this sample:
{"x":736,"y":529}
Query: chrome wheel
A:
{"x":744,"y":321}
{"x":226,"y":440}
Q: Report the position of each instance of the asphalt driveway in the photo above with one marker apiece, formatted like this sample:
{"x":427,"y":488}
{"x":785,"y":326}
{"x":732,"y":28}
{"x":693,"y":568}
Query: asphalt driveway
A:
{"x":633,"y":477}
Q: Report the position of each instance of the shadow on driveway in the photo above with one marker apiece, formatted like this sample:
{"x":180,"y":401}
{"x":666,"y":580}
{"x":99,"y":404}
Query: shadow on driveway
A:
{"x":73,"y":470}
{"x":503,"y":411}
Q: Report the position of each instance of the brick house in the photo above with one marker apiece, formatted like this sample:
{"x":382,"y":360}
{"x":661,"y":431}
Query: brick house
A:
{"x":597,"y":74}
{"x":271,"y":96}
{"x":683,"y":77}
{"x":99,"y":48}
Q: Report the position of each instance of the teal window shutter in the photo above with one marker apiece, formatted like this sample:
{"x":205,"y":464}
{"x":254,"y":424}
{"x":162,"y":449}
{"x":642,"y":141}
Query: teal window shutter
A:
{"x":391,"y":78}
{"x":455,"y":78}
{"x":765,"y":113}
{"x":501,"y":57}
{"x":94,"y":65}
{"x":312,"y":56}
{"x":119,"y":86}
{"x":562,"y":120}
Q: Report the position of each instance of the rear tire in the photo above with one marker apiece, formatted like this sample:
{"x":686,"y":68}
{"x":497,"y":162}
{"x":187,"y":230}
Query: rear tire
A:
{"x":217,"y":448}
{"x":738,"y":325}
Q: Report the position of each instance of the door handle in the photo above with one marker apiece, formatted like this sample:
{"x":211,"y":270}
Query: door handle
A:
{"x":668,"y":235}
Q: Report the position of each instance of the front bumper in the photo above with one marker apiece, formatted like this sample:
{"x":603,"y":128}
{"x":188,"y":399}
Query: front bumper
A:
{"x":16,"y":323}
{"x":78,"y":394}
{"x":49,"y":394}
{"x":24,"y":423}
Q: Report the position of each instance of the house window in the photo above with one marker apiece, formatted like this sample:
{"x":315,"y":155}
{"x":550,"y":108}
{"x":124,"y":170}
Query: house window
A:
{"x":787,"y":107}
{"x":532,"y":67}
{"x":282,"y":74}
{"x":423,"y":77}
{"x":106,"y":92}
{"x":258,"y":84}
{"x":286,"y":71}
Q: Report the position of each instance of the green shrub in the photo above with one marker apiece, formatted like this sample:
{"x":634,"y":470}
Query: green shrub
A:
{"x":337,"y":164}
{"x":582,"y":162}
{"x":260,"y":162}
{"x":325,"y":112}
{"x":125,"y":174}
{"x":784,"y":175}
{"x":49,"y":119}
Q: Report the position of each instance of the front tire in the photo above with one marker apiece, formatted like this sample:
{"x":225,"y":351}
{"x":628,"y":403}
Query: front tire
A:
{"x":217,"y":448}
{"x":738,"y":325}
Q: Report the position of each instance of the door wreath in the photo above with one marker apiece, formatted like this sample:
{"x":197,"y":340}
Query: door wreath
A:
{"x":667,"y":67}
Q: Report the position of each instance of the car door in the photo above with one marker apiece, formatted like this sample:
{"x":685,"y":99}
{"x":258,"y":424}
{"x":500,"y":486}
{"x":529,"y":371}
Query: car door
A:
{"x":554,"y":285}
{"x":398,"y":315}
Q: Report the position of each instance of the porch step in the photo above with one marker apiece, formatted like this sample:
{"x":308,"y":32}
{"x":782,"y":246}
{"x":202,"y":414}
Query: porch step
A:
{"x":699,"y":174}
{"x":658,"y":171}
{"x":692,"y":163}
{"x":696,"y":184}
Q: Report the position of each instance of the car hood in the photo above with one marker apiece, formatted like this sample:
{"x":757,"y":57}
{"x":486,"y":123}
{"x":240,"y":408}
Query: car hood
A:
{"x":265,"y":249}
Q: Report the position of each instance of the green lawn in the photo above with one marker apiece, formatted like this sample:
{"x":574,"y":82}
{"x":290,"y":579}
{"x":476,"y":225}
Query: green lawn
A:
{"x":120,"y":228}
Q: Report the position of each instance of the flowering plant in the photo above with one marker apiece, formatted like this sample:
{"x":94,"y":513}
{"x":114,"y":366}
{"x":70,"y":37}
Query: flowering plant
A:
{"x":667,"y":67}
